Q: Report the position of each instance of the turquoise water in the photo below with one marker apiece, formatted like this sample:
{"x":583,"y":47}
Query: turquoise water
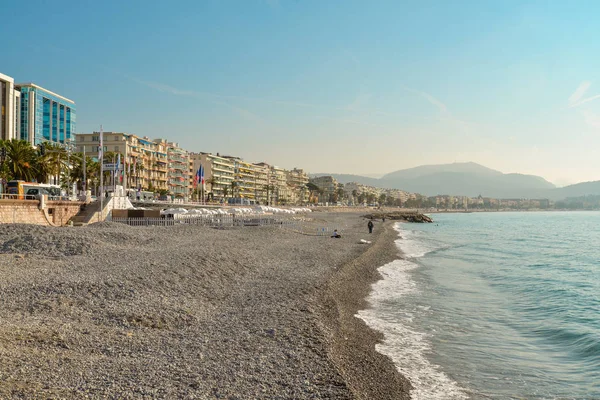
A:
{"x":494,"y":306}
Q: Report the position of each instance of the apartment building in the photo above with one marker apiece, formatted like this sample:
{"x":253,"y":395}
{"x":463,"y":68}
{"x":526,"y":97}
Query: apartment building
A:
{"x":178,"y":172}
{"x":297,"y":180}
{"x":328,"y":186}
{"x":219,"y":173}
{"x":264,"y":188}
{"x":10,"y":109}
{"x":144,"y":161}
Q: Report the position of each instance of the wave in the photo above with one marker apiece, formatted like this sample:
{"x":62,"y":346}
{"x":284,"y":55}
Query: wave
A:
{"x":413,"y":244}
{"x":405,"y":345}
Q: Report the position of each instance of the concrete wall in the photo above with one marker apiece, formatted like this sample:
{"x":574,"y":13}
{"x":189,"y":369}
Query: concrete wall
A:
{"x":55,"y":213}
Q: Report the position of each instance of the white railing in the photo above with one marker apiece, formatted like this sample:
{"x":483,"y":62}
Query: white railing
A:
{"x":214,"y":221}
{"x":231,"y":221}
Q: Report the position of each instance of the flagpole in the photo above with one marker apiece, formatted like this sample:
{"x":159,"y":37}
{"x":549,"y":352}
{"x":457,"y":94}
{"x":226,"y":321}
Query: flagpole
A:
{"x":84,"y":176}
{"x":101,"y":154}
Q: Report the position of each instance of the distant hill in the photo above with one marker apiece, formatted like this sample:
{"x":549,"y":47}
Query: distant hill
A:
{"x":471,"y":179}
{"x":577,"y":190}
{"x":460,"y":179}
{"x":469,"y":168}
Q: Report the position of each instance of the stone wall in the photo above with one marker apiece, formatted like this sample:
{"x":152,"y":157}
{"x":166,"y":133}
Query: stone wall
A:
{"x":60,"y":212}
{"x":55,"y":213}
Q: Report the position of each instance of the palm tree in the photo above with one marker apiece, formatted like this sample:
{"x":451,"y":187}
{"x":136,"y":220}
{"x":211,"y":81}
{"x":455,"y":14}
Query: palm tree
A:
{"x":52,"y":163}
{"x":139,"y":168}
{"x":20,"y":160}
{"x":269,"y":189}
{"x":234,"y":185}
{"x":212,"y":181}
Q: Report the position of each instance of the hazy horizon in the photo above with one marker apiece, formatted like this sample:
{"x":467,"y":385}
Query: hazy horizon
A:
{"x":329,"y":86}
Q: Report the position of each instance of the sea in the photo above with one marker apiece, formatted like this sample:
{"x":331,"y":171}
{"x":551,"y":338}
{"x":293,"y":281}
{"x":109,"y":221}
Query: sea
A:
{"x":494,"y":306}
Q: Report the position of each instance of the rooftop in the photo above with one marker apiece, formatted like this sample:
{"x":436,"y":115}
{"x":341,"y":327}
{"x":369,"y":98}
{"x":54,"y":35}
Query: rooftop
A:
{"x":30,"y":84}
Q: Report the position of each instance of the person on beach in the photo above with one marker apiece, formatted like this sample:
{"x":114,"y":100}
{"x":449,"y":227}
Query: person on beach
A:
{"x":336,"y":234}
{"x":370,"y":225}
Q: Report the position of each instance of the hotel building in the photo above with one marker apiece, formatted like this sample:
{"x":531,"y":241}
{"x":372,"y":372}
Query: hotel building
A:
{"x":45,"y":115}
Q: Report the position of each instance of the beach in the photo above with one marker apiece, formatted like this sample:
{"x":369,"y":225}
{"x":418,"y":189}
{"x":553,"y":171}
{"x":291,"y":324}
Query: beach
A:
{"x":108,"y":311}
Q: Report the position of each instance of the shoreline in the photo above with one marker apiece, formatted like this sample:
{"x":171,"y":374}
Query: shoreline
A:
{"x":249,"y":313}
{"x":370,"y":374}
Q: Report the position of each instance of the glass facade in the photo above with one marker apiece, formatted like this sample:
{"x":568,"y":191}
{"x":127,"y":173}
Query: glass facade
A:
{"x":47,"y":116}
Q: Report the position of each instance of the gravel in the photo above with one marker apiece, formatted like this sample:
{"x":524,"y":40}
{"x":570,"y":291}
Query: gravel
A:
{"x":112,"y":311}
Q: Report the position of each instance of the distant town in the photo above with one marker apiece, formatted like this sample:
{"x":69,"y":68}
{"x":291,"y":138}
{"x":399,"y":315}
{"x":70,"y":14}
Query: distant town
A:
{"x":42,"y":121}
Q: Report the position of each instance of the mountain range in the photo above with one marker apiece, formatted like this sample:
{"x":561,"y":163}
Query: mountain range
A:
{"x":470,"y":179}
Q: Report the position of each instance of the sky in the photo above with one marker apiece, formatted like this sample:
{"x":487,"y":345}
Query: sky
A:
{"x":361,"y":87}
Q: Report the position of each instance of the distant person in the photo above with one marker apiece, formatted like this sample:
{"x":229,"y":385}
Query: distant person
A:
{"x":138,"y":194}
{"x":370,"y":225}
{"x":383,"y":219}
{"x":336,"y":234}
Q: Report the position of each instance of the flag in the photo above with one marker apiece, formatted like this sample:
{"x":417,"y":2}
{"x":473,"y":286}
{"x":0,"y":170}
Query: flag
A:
{"x":197,"y":176}
{"x":101,"y":149}
{"x":202,"y":175}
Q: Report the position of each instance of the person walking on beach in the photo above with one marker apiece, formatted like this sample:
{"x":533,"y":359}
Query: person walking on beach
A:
{"x":370,"y":225}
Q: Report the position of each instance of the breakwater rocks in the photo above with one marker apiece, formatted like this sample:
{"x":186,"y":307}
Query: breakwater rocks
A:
{"x":400,"y":216}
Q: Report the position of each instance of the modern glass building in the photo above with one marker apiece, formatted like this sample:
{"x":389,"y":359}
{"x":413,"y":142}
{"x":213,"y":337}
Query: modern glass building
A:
{"x":45,"y":116}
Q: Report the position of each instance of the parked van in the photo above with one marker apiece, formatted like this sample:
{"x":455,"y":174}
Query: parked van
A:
{"x":36,"y":193}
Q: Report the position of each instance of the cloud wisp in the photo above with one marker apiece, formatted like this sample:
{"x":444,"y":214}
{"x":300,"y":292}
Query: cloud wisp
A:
{"x":434,"y":101}
{"x":579,"y":92}
{"x":576,"y":99}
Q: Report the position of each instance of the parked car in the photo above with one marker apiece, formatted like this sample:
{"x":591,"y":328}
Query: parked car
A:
{"x":35,"y":193}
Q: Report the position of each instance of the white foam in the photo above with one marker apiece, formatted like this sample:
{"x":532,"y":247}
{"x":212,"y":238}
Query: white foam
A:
{"x":412,"y":244}
{"x":403,"y":344}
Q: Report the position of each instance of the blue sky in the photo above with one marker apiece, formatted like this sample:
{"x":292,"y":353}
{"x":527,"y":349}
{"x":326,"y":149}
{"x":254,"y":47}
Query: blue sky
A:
{"x":331,"y":86}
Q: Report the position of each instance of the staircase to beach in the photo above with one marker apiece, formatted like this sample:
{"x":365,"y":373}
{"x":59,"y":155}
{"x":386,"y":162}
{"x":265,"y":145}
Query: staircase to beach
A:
{"x":88,"y":214}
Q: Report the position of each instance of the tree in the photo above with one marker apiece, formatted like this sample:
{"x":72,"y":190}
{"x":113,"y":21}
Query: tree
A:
{"x":54,"y":161}
{"x":362,"y":197}
{"x":354,"y":196}
{"x":382,"y":198}
{"x":269,"y":189}
{"x":314,"y":192}
{"x":20,"y":160}
{"x":212,"y":181}
{"x":234,"y":185}
{"x":340,"y":194}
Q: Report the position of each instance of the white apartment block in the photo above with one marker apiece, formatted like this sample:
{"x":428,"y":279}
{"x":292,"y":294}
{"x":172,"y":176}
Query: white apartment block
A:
{"x":10,"y":109}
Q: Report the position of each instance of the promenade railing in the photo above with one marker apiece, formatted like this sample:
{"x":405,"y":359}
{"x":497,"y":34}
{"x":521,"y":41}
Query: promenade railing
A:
{"x":233,"y":221}
{"x":214,"y":221}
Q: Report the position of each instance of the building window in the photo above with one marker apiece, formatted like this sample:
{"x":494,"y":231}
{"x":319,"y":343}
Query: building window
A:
{"x":116,"y":148}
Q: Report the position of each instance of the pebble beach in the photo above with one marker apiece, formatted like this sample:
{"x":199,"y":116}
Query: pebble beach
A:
{"x":113,"y":311}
